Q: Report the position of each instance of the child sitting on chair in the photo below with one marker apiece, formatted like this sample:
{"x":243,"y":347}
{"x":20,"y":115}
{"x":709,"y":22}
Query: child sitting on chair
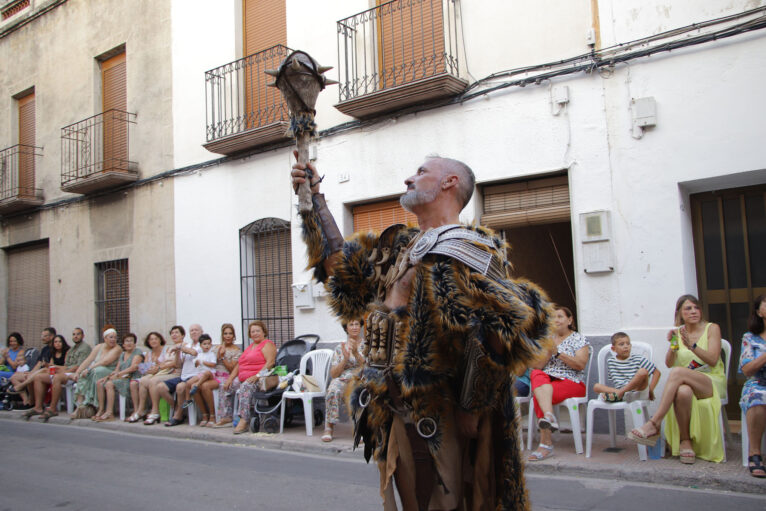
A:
{"x":628,"y":372}
{"x":205,"y":362}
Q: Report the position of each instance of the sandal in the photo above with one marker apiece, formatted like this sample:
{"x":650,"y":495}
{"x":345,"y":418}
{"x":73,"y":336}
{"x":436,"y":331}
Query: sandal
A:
{"x":152,"y":418}
{"x":135,"y":417}
{"x":539,"y":456}
{"x":187,"y":403}
{"x":226,"y":422}
{"x":173,"y":422}
{"x":106,"y":417}
{"x":610,"y":397}
{"x":638,"y":435}
{"x":548,"y":421}
{"x":755,"y":463}
{"x":204,"y":421}
{"x":242,"y":427}
{"x":47,"y":414}
{"x":31,"y":413}
{"x":327,"y":437}
{"x":687,"y":456}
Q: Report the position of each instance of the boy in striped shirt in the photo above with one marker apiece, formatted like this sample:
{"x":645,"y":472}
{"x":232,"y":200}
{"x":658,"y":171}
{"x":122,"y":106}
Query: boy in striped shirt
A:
{"x":627,"y":372}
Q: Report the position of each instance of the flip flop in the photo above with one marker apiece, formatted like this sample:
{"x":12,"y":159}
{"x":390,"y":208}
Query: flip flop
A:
{"x":611,"y":397}
{"x":538,"y":456}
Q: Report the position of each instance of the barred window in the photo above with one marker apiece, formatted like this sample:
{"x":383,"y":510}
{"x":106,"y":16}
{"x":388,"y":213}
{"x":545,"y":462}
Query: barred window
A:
{"x":113,"y":296}
{"x":266,"y":273}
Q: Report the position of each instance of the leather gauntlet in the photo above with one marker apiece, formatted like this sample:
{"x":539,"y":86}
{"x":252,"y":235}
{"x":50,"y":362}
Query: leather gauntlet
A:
{"x":327,"y":223}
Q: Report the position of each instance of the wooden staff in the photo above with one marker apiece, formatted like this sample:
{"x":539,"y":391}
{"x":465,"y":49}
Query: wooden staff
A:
{"x":300,"y":78}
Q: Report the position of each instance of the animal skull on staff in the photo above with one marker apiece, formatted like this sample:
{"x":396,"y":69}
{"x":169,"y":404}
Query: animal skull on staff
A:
{"x":300,"y":78}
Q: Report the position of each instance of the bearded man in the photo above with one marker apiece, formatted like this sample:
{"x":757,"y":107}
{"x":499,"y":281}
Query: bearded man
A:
{"x":446,"y":325}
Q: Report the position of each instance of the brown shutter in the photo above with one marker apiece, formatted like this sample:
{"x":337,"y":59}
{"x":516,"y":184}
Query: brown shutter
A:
{"x":115,"y":101}
{"x":410,"y":41}
{"x":264,"y":26}
{"x":29,"y":292}
{"x":379,"y":215}
{"x":541,"y":201}
{"x":27,"y":154}
{"x":273,"y":268}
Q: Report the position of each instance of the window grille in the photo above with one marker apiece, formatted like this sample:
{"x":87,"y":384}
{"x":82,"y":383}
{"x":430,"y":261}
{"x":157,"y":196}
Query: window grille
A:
{"x":266,"y":273}
{"x":113,"y":297}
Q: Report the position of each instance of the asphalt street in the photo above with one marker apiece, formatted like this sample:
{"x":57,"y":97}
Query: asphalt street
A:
{"x":48,"y":466}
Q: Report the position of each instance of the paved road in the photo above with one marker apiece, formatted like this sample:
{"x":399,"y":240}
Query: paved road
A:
{"x":46,"y":466}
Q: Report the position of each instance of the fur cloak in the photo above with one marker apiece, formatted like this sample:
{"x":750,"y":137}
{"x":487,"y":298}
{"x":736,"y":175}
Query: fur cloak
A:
{"x":449,"y":304}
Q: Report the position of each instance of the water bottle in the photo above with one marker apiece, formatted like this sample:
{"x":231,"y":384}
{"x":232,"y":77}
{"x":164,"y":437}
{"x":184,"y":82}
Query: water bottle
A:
{"x":674,"y":342}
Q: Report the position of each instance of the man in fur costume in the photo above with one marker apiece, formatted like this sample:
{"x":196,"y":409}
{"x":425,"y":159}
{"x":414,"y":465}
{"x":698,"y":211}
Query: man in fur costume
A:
{"x":446,"y":325}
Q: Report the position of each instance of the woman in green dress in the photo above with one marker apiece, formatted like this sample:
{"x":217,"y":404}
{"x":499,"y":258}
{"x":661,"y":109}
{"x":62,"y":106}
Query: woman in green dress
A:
{"x":100,"y":363}
{"x":691,"y":400}
{"x":124,"y":379}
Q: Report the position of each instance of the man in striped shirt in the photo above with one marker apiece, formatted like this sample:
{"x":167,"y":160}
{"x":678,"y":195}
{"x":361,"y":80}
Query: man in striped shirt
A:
{"x":627,"y":372}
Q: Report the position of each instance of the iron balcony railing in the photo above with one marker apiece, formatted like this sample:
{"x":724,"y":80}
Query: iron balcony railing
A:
{"x":17,"y":172}
{"x":237,"y":98}
{"x":397,"y":43}
{"x":97,"y":144}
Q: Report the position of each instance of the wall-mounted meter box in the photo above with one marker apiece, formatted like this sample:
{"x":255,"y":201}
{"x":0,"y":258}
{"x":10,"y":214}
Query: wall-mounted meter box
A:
{"x":302,"y":296}
{"x":596,"y":236}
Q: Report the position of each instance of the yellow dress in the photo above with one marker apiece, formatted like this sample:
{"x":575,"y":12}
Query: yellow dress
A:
{"x":704,"y":428}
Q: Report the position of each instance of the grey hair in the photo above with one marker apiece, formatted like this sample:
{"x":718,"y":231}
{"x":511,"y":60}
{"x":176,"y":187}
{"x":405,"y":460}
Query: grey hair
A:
{"x":466,"y":177}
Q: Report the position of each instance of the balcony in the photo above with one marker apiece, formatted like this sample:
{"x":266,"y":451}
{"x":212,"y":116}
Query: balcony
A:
{"x":17,"y":179}
{"x":398,"y":54}
{"x":95,"y":151}
{"x":241,"y":112}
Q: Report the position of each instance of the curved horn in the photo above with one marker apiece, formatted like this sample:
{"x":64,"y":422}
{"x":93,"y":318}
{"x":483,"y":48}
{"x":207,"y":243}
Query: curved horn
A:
{"x":272,"y":84}
{"x":324,"y":69}
{"x":272,"y":72}
{"x":295,"y":64}
{"x":330,"y":82}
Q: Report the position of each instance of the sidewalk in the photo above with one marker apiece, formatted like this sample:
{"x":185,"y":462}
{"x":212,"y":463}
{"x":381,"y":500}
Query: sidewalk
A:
{"x":621,"y":465}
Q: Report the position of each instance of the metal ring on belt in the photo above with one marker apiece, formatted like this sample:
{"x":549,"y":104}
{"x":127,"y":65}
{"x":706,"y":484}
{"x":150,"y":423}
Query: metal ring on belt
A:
{"x":426,"y":423}
{"x":364,"y":398}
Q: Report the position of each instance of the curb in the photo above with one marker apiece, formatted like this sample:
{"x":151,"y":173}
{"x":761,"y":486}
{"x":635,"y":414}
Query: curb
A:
{"x":706,"y":476}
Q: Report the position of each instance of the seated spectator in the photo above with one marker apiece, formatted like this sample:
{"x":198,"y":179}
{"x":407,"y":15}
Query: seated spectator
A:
{"x":155,"y":365}
{"x":628,"y":372}
{"x":62,"y":374}
{"x":228,"y":355}
{"x":204,"y":363}
{"x":101,"y":362}
{"x":169,"y":369}
{"x":259,"y":355}
{"x":560,"y":377}
{"x":59,"y":348}
{"x":12,"y":356}
{"x":691,"y":394}
{"x":752,"y":363}
{"x":185,"y":354}
{"x":124,"y":378}
{"x":521,"y":383}
{"x":24,"y":377}
{"x":345,"y":362}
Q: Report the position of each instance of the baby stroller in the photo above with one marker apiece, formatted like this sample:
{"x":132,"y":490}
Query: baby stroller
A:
{"x":9,"y":400}
{"x":267,"y":403}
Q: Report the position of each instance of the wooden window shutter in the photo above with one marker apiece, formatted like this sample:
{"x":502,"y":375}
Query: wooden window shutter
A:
{"x":115,"y":101}
{"x":379,"y":215}
{"x":29,"y":292}
{"x":540,"y":201}
{"x":264,"y":26}
{"x":27,"y":138}
{"x":410,"y":41}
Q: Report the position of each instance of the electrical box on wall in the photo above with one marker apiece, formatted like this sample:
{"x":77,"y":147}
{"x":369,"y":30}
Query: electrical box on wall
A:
{"x":596,"y":235}
{"x":302,"y":296}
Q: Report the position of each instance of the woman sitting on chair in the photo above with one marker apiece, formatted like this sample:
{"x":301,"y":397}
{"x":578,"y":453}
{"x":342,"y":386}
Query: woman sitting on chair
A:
{"x":124,"y":379}
{"x":559,"y":376}
{"x":228,"y":355}
{"x":259,"y":355}
{"x":691,"y":394}
{"x":345,"y":361}
{"x":101,"y":362}
{"x":752,"y":363}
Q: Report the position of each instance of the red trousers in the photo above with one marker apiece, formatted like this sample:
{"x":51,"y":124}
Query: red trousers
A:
{"x":562,"y":389}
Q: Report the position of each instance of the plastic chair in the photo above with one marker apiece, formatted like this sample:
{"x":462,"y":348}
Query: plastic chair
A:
{"x":69,"y":388}
{"x":638,"y":409}
{"x":320,"y":363}
{"x":520,"y":400}
{"x":572,"y":404}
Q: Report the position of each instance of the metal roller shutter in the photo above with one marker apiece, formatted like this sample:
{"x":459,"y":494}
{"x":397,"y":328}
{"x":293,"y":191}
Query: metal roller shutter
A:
{"x":540,"y":201}
{"x":29,"y":292}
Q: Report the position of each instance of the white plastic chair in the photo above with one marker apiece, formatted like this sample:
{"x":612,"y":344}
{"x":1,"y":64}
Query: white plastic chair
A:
{"x":69,"y":388}
{"x":573,"y":405}
{"x":637,"y":409}
{"x":320,"y":363}
{"x":520,"y":400}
